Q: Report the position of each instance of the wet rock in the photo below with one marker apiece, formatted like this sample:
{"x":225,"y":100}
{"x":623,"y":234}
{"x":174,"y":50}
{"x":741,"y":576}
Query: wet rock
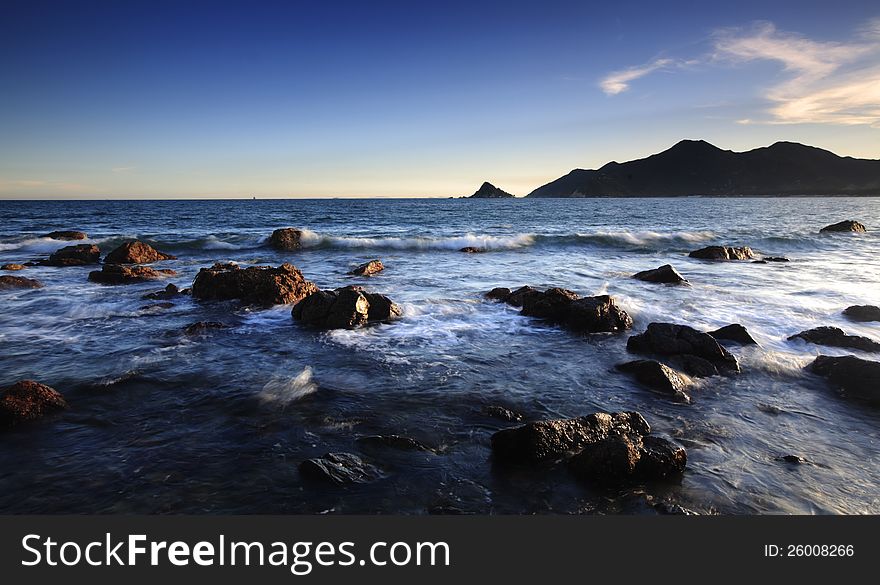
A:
{"x":844,"y":226}
{"x":518,"y":297}
{"x":368,"y":268}
{"x":113,"y":274}
{"x":680,"y":340}
{"x":286,"y":239}
{"x":551,"y":305}
{"x":169,"y":292}
{"x":696,"y":366}
{"x":12,"y":267}
{"x":472,"y":250}
{"x":551,"y":439}
{"x":794,"y":459}
{"x":564,"y":308}
{"x":836,"y":337}
{"x":78,"y":255}
{"x":863,"y":312}
{"x":398,"y":442}
{"x":157,"y":306}
{"x":723,"y":253}
{"x":775,"y":259}
{"x":339,"y":468}
{"x":734,"y":332}
{"x":344,"y":308}
{"x":203,"y":327}
{"x":11,"y":282}
{"x":504,"y":414}
{"x":498,"y":294}
{"x":610,"y":460}
{"x":660,"y":458}
{"x":672,"y":509}
{"x":258,"y":285}
{"x":28,"y":400}
{"x":666,"y":274}
{"x":66,"y":235}
{"x":659,"y":377}
{"x":136,"y":252}
{"x":857,"y":378}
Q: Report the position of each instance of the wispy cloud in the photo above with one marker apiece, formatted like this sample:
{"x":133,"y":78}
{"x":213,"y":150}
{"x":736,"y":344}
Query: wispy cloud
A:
{"x":122,"y":169}
{"x":618,"y":81}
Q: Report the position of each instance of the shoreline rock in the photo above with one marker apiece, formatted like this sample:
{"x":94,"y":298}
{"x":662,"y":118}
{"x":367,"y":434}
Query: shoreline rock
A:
{"x":734,"y":332}
{"x":368,"y":268}
{"x":857,"y":377}
{"x":660,"y":378}
{"x":286,"y":239}
{"x":566,"y":309}
{"x":116,"y":274}
{"x":12,"y":282}
{"x":665,"y":274}
{"x":723,"y":253}
{"x":847,"y":225}
{"x":27,"y":400}
{"x":76,"y":255}
{"x":863,"y":313}
{"x":836,"y":337}
{"x":258,"y":285}
{"x":344,"y":308}
{"x":699,"y":353}
{"x":136,"y":252}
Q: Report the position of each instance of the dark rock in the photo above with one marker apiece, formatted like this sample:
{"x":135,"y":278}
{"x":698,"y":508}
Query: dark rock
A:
{"x":381,"y":307}
{"x":472,"y":250}
{"x":344,"y":308}
{"x":27,"y":400}
{"x":795,"y":459}
{"x":339,"y":468}
{"x":551,"y":439}
{"x":65,"y":235}
{"x":286,"y":239}
{"x":844,"y":226}
{"x":78,"y":255}
{"x":775,"y":259}
{"x":836,"y":337}
{"x":498,"y":294}
{"x":489,"y":191}
{"x":863,"y":312}
{"x":136,"y":252}
{"x":518,"y":297}
{"x":12,"y":267}
{"x":368,"y":268}
{"x":681,"y":340}
{"x":659,"y":377}
{"x":611,"y":460}
{"x":154,"y":306}
{"x":504,"y":414}
{"x":10,"y":282}
{"x":170,"y":292}
{"x":665,"y":274}
{"x":127,"y":274}
{"x":258,"y":285}
{"x":202,"y":327}
{"x":563,"y":307}
{"x":858,"y":378}
{"x":551,"y":305}
{"x":393,"y":442}
{"x":660,"y":458}
{"x":723,"y":253}
{"x":734,"y":332}
{"x":696,"y":366}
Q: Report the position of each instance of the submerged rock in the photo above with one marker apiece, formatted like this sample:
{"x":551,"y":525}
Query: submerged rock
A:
{"x":734,"y":332}
{"x":169,"y":292}
{"x":472,"y":250}
{"x":28,"y":400}
{"x":202,"y":327}
{"x":78,"y":255}
{"x":368,"y":268}
{"x":848,"y":225}
{"x":344,"y":308}
{"x":774,"y":259}
{"x":286,"y":239}
{"x":136,"y":252}
{"x":126,"y":274}
{"x":10,"y":282}
{"x":666,"y":274}
{"x":795,"y":459}
{"x":863,"y":312}
{"x":498,"y":294}
{"x":66,"y":235}
{"x":565,"y":308}
{"x":836,"y":337}
{"x":659,"y":377}
{"x":12,"y":267}
{"x":621,"y":459}
{"x":258,"y":285}
{"x":339,"y":468}
{"x":857,"y":378}
{"x":699,"y":352}
{"x":723,"y":253}
{"x":503,"y":413}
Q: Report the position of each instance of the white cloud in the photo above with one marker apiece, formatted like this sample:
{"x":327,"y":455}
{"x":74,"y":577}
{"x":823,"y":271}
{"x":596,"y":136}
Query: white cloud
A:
{"x":618,"y":81}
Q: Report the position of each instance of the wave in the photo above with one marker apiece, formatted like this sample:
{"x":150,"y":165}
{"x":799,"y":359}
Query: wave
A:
{"x":284,"y":390}
{"x":485,"y":242}
{"x":641,"y":239}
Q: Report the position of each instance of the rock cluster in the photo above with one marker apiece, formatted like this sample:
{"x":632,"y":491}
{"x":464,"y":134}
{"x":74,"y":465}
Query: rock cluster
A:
{"x":344,"y":308}
{"x":565,"y":308}
{"x":258,"y":285}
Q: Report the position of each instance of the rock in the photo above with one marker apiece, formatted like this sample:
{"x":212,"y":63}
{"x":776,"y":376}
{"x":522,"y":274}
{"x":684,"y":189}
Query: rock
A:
{"x":795,"y":459}
{"x":169,"y":292}
{"x":136,"y":252}
{"x":28,"y":400}
{"x":12,"y":267}
{"x":858,"y":378}
{"x":156,"y":306}
{"x":258,"y":285}
{"x":10,"y":282}
{"x":696,"y":366}
{"x":723,"y":253}
{"x":286,"y":239}
{"x":518,"y":297}
{"x":393,"y":442}
{"x":844,"y":226}
{"x":344,"y":308}
{"x":78,"y":255}
{"x":339,"y":468}
{"x":734,"y":332}
{"x":489,"y":191}
{"x":551,"y":305}
{"x":551,"y":439}
{"x":202,"y":327}
{"x":660,"y":458}
{"x":498,"y":294}
{"x":659,"y":377}
{"x":665,"y":274}
{"x":611,"y":460}
{"x":472,"y":250}
{"x":564,"y":308}
{"x":65,"y":235}
{"x":775,"y":259}
{"x":124,"y":274}
{"x":863,"y":312}
{"x":836,"y":337}
{"x":681,"y":340}
{"x":369,"y":268}
{"x":504,"y":414}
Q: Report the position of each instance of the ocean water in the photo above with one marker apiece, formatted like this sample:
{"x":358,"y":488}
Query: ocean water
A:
{"x":164,"y":423}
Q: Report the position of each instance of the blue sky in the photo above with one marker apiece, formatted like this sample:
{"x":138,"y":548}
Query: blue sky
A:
{"x":286,"y":99}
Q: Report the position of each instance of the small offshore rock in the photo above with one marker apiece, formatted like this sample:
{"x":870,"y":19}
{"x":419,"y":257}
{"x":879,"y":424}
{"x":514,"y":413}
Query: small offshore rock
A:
{"x":565,"y":308}
{"x":503,"y":413}
{"x":11,"y":282}
{"x":114,"y":274}
{"x":659,"y":377}
{"x":795,"y":459}
{"x":259,"y":285}
{"x":26,"y":401}
{"x":286,"y":239}
{"x":734,"y":332}
{"x":202,"y":327}
{"x":368,"y":268}
{"x":472,"y":250}
{"x":77,"y":255}
{"x":666,"y":274}
{"x":863,"y":312}
{"x":12,"y":267}
{"x":836,"y":337}
{"x":498,"y":294}
{"x":136,"y":252}
{"x":66,"y":235}
{"x":857,"y":377}
{"x":169,"y":292}
{"x":848,"y":225}
{"x":723,"y":253}
{"x":340,"y":469}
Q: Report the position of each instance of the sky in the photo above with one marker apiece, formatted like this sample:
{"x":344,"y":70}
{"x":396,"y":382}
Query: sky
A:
{"x":412,"y":99}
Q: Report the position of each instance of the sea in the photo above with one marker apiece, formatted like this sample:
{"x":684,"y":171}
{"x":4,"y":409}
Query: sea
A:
{"x":161,"y":422}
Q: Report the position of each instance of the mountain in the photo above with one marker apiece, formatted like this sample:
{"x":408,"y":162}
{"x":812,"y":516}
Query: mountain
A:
{"x":490,"y":191}
{"x":695,"y":167}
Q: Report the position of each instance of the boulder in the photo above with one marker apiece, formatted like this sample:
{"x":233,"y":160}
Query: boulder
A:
{"x":169,"y":292}
{"x":12,"y":267}
{"x":863,"y":312}
{"x":286,"y":239}
{"x":857,"y":378}
{"x":498,"y":294}
{"x":203,"y":327}
{"x":666,"y":274}
{"x":659,"y":377}
{"x":836,"y":337}
{"x":27,"y":400}
{"x":258,"y":285}
{"x":723,"y":253}
{"x":680,"y":340}
{"x":344,"y":308}
{"x":368,"y":268}
{"x":77,"y":255}
{"x":125,"y":274}
{"x":734,"y":332}
{"x":551,"y":305}
{"x":66,"y":235}
{"x":136,"y":252}
{"x":339,"y":468}
{"x":620,"y":459}
{"x":518,"y":297}
{"x":10,"y":282}
{"x":565,"y":308}
{"x":844,"y":226}
{"x":472,"y":250}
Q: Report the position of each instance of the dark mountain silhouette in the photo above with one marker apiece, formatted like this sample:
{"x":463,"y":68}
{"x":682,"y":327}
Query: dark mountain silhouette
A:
{"x":489,"y":191}
{"x":695,"y":167}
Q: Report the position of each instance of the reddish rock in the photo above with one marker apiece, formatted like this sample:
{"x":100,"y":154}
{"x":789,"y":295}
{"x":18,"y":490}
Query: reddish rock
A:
{"x":286,"y":239}
{"x":723,"y":253}
{"x":136,"y":252}
{"x":123,"y":274}
{"x":78,"y":255}
{"x":65,"y":235}
{"x":9,"y":282}
{"x":368,"y":268}
{"x":259,"y":285}
{"x":12,"y":267}
{"x":27,"y":400}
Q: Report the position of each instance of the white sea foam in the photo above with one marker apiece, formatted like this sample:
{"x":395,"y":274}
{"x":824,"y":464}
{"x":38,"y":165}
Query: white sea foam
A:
{"x":485,"y":242}
{"x":283,"y":390}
